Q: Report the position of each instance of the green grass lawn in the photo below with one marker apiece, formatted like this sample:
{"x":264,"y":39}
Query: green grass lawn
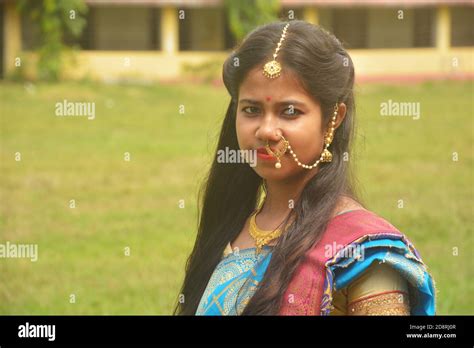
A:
{"x":135,"y":203}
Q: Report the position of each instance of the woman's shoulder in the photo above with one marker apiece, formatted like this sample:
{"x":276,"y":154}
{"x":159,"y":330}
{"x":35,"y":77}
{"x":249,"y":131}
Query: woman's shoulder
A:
{"x":364,"y":258}
{"x":353,"y":224}
{"x":350,"y":212}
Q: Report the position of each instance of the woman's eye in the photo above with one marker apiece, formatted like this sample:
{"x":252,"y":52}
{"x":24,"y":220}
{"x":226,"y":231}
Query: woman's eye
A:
{"x":291,"y":111}
{"x":251,"y":110}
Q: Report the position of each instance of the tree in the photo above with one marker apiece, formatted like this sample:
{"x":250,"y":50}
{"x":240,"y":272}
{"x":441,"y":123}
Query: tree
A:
{"x":245,"y":15}
{"x":56,"y":18}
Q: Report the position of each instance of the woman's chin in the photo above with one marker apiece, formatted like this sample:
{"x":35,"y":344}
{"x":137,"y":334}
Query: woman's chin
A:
{"x":267,"y":170}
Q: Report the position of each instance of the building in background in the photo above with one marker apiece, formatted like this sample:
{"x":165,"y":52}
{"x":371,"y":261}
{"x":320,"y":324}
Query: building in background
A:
{"x":147,"y":39}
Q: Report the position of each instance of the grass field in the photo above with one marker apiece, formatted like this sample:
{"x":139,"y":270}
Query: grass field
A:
{"x":135,"y":204}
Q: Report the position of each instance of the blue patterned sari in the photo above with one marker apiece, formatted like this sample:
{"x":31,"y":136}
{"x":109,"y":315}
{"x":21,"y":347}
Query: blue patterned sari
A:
{"x":238,"y":275}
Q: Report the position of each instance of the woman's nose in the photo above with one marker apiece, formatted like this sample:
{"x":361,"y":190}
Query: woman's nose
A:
{"x":269,"y":130}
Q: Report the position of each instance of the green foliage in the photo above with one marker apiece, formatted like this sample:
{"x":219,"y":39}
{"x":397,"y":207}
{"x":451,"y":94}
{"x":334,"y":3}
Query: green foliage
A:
{"x":245,"y":15}
{"x":56,"y":19}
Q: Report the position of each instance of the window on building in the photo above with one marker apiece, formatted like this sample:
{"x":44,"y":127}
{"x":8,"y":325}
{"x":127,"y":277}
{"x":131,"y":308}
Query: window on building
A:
{"x":122,"y":28}
{"x":462,"y":30}
{"x":350,"y":26}
{"x":424,"y":32}
{"x":30,"y":33}
{"x":107,"y":28}
{"x":202,"y":29}
{"x":229,"y":39}
{"x":84,"y":41}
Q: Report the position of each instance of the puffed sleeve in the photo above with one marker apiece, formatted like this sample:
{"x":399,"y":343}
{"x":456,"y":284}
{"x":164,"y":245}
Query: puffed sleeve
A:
{"x":380,"y":290}
{"x":388,"y":277}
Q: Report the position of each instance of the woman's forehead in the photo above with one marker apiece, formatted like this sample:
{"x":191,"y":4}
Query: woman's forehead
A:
{"x":257,"y":86}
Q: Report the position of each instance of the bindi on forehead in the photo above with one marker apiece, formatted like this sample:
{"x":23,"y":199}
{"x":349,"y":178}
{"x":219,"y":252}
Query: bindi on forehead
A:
{"x":268,"y":98}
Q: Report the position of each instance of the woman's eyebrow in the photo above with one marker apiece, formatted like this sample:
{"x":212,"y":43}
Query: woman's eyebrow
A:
{"x":285,"y":102}
{"x":291,"y":102}
{"x":250,"y":101}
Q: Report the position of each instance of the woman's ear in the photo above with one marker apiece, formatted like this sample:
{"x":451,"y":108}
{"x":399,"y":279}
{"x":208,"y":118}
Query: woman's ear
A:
{"x":341,"y":113}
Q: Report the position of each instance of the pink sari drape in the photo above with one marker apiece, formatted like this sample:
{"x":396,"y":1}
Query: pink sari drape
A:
{"x":305,"y":291}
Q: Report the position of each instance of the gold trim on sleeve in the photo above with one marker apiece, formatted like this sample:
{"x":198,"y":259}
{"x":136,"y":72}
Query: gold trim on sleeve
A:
{"x":388,"y":303}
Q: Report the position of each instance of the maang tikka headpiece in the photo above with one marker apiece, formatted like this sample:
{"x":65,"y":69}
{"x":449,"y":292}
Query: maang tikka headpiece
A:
{"x":272,"y":69}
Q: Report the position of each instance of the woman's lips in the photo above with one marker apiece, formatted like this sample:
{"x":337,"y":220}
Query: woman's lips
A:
{"x":263,"y":154}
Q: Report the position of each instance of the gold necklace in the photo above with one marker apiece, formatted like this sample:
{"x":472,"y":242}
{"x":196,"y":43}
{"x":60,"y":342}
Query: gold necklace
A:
{"x":261,"y":237}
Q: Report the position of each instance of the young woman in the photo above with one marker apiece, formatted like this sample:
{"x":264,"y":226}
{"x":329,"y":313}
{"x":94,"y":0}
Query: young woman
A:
{"x":289,"y":236}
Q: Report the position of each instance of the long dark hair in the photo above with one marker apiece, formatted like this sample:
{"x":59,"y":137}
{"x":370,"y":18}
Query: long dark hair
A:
{"x":229,"y":195}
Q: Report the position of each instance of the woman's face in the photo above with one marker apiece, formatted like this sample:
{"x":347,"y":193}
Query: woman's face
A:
{"x":268,"y":107}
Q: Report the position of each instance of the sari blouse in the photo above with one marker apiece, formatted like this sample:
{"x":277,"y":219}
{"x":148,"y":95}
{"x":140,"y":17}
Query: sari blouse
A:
{"x":387,"y":281}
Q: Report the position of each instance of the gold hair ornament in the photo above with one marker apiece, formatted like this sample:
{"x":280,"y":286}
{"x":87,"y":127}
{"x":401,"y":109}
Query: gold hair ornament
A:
{"x":272,"y":69}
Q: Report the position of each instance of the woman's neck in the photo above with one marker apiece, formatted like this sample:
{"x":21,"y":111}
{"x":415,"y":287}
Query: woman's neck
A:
{"x":281,"y":197}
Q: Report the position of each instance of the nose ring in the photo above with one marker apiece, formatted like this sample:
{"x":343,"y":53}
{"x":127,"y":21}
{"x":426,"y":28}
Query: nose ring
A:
{"x":278,"y":152}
